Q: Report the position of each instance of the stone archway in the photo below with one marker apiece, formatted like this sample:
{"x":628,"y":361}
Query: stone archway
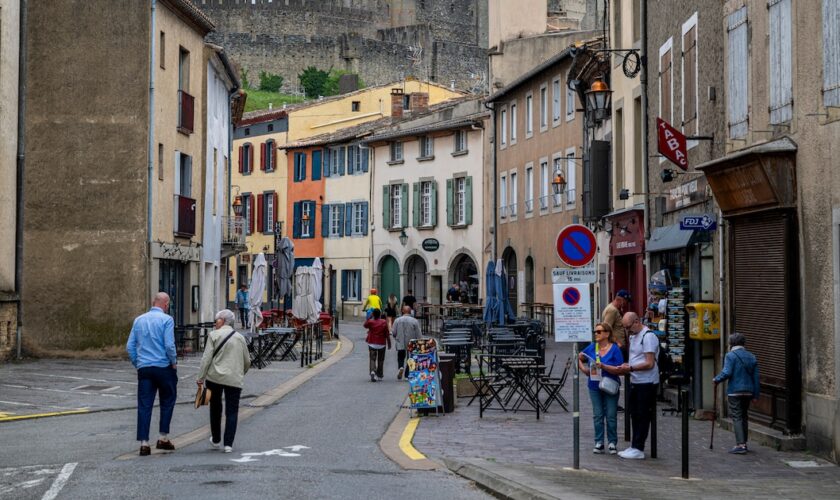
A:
{"x":416,"y":272}
{"x":389,"y":277}
{"x":509,"y":259}
{"x":464,"y":271}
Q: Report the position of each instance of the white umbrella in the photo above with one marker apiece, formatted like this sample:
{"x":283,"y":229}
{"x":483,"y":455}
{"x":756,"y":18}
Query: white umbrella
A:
{"x":318,"y":274}
{"x":304,"y":305}
{"x":255,"y":294}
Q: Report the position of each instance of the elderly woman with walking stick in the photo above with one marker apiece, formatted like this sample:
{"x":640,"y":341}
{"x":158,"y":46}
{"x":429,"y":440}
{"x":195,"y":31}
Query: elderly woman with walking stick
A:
{"x":740,"y":368}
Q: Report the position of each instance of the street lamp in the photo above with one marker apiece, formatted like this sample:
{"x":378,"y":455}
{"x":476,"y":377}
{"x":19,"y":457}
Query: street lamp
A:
{"x":237,"y":206}
{"x":598,"y":99}
{"x":559,"y":182}
{"x":403,"y":237}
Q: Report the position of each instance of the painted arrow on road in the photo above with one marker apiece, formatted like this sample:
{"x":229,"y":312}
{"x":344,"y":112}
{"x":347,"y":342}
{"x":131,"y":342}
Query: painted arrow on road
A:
{"x":279,"y":452}
{"x":297,"y":447}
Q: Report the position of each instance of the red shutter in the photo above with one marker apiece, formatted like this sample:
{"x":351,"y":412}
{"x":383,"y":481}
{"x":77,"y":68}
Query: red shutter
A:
{"x":260,"y":213}
{"x":241,"y":155}
{"x":262,"y":156}
{"x":251,"y":214}
{"x":273,"y":157}
{"x":251,"y":158}
{"x":274,"y":218}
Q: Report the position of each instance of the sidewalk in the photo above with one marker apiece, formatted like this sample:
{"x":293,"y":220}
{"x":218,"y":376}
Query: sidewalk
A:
{"x":517,"y":456}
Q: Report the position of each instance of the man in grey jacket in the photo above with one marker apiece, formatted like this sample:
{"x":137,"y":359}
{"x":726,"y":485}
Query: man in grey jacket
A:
{"x":404,"y":329}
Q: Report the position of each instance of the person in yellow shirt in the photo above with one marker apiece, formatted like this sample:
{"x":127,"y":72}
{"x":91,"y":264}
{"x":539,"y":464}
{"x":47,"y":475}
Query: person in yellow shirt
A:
{"x":373,"y":301}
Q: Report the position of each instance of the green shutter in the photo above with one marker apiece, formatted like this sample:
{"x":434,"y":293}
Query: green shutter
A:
{"x":416,"y":205}
{"x":386,"y":206}
{"x":450,"y":213}
{"x":434,"y":203}
{"x":468,"y":201}
{"x":404,"y":205}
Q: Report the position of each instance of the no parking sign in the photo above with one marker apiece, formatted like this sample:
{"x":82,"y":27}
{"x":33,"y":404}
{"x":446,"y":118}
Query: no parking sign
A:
{"x":572,"y":313}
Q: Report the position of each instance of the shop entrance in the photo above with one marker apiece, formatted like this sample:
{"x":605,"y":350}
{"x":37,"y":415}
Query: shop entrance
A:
{"x":389,"y":271}
{"x":415,"y":269}
{"x":465,"y":273}
{"x":171,"y":281}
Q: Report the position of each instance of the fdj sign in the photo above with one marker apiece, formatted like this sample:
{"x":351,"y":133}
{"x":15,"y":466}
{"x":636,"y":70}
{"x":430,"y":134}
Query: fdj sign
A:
{"x":705,"y":222}
{"x":672,"y":144}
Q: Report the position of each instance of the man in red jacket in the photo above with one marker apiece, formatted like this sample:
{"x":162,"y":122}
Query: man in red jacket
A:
{"x":377,"y":339}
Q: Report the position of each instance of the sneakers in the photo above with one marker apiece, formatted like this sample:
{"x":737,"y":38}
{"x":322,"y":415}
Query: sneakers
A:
{"x":598,"y":449}
{"x":379,"y":379}
{"x":632,"y":454}
{"x":228,"y":449}
{"x":612,"y":449}
{"x":165,"y":445}
{"x":373,"y":376}
{"x":145,"y":451}
{"x":738,"y":450}
{"x":399,"y":374}
{"x":214,"y":446}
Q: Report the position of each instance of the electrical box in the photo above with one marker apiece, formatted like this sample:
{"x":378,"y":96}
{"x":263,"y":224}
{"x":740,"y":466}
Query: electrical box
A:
{"x":703,"y":321}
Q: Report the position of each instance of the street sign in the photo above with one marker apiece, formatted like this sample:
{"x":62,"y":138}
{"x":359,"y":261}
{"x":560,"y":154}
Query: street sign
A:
{"x":430,"y":244}
{"x":572,"y":313}
{"x":672,"y":144}
{"x":576,"y":245}
{"x":703,"y":222}
{"x":585,"y":274}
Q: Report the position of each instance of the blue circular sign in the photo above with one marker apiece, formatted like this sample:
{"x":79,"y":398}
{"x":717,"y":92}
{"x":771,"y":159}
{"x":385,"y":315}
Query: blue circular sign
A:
{"x":571,"y":296}
{"x":576,"y":245}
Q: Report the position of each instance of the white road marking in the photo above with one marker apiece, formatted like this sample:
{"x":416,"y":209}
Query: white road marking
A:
{"x":297,"y":447}
{"x":63,"y":390}
{"x":60,"y":481}
{"x":83,"y":378}
{"x":244,"y":460}
{"x":280,"y":452}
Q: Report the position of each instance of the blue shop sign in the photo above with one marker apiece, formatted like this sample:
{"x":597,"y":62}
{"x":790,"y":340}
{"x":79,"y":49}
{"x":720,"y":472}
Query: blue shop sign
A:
{"x":704,"y":222}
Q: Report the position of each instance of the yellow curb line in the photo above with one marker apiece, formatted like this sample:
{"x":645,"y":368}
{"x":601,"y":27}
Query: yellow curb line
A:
{"x":337,"y":347}
{"x":405,"y":440}
{"x":43,"y":415}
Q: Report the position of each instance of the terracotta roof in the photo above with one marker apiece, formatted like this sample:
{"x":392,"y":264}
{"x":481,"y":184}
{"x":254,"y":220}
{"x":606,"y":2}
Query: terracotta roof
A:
{"x":343,"y":135}
{"x":461,"y":122}
{"x":252,"y":117}
{"x":191,"y":12}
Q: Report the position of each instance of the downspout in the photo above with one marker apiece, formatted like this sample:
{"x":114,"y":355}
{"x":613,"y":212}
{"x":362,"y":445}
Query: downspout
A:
{"x":21,"y":156}
{"x":149,"y":201}
{"x":494,"y":197}
{"x":645,"y":175}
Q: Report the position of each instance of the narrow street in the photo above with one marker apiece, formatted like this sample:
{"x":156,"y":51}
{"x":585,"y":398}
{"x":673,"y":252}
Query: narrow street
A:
{"x":320,"y":441}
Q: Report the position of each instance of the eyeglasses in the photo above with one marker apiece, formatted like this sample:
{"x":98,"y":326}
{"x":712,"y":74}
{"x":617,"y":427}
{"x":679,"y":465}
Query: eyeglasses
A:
{"x":600,"y":331}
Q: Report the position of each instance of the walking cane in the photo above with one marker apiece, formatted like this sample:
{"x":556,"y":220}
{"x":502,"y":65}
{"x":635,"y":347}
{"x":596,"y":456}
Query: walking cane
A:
{"x":714,"y":415}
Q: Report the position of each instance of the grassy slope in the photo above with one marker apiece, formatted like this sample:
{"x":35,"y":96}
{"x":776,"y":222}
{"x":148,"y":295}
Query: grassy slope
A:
{"x":259,"y":99}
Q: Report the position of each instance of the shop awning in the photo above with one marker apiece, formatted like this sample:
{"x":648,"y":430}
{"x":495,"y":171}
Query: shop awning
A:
{"x":668,"y":238}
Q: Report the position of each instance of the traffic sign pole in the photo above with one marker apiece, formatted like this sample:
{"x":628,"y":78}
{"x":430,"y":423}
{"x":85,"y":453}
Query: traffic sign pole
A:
{"x":576,"y":407}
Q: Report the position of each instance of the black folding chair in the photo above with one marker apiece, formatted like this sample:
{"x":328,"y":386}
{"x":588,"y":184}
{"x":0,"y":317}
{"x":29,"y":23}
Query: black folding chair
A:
{"x":553,"y":386}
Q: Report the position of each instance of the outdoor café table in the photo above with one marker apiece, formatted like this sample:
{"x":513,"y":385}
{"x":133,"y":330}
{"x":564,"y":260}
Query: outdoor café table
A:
{"x":462,"y":348}
{"x":523,"y":374}
{"x":265,"y":343}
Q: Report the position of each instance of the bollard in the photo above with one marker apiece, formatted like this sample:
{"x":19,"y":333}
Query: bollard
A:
{"x":626,"y":407}
{"x":576,"y":407}
{"x":653,"y":431}
{"x":684,"y":404}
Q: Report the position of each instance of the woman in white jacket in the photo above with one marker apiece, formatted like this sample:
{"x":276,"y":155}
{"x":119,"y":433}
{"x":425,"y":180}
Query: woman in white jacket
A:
{"x":223,"y":368}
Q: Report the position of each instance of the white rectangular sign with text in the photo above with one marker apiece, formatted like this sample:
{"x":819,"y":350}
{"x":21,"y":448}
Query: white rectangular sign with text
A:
{"x":572,"y":313}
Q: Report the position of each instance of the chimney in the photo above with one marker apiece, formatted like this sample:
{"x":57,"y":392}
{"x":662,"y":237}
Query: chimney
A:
{"x":419,"y":102}
{"x":397,"y":103}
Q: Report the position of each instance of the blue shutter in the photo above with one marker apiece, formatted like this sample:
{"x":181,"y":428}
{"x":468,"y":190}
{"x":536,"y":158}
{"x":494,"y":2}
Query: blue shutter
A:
{"x":325,"y":218}
{"x":348,"y":219}
{"x":326,"y":162}
{"x":314,"y":220}
{"x":365,"y":158}
{"x":303,"y":166}
{"x":344,"y":285}
{"x":341,"y":220}
{"x":365,"y":222}
{"x":295,"y":171}
{"x":341,"y":159}
{"x":296,"y":221}
{"x":316,"y":165}
{"x":358,"y":284}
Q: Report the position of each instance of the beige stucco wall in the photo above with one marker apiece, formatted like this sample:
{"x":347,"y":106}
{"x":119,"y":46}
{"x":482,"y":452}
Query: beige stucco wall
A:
{"x":506,"y":19}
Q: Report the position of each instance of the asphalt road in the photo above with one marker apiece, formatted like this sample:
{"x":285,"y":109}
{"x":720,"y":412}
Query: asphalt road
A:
{"x":320,"y":441}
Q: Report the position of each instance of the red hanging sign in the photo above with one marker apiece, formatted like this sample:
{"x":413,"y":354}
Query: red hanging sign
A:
{"x":672,"y":144}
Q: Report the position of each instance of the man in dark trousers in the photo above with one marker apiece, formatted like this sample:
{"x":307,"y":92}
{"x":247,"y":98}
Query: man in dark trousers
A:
{"x":644,"y":382}
{"x":409,"y":300}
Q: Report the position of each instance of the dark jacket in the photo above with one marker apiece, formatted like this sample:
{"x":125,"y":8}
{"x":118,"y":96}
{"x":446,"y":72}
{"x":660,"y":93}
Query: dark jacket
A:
{"x":377,"y":332}
{"x":741,"y":369}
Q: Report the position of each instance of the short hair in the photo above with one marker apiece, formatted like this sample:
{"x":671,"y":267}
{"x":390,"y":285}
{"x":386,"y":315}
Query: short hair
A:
{"x":377,"y":314}
{"x":406,"y":309}
{"x":227,"y":315}
{"x":607,"y":328}
{"x":737,"y":339}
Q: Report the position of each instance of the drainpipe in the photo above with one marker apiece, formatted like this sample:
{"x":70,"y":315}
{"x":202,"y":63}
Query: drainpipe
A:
{"x":149,"y":201}
{"x":494,"y":197}
{"x":645,"y":177}
{"x":21,"y":153}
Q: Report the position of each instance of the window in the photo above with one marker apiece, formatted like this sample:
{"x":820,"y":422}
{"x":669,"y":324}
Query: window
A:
{"x":503,"y":197}
{"x":618,"y":135}
{"x":306,"y":218}
{"x":571,"y":182}
{"x":615,"y":9}
{"x":406,"y":102}
{"x":162,"y":55}
{"x":214,"y":180}
{"x":160,"y":162}
{"x":246,"y":158}
{"x":737,"y":73}
{"x":781,"y":79}
{"x":689,"y":80}
{"x":570,"y":104}
{"x":269,"y":161}
{"x":666,"y":88}
{"x":184,"y":69}
{"x":504,"y":127}
{"x":460,"y":141}
{"x":638,"y":163}
{"x":460,"y":201}
{"x":555,"y":103}
{"x":396,"y":151}
{"x":831,"y":53}
{"x":514,"y":194}
{"x":359,"y":218}
{"x":558,"y":169}
{"x":270,"y":211}
{"x":543,"y":108}
{"x":183,"y":181}
{"x":637,"y":20}
{"x":529,"y":115}
{"x":513,"y":131}
{"x":546,"y":180}
{"x":248,"y":212}
{"x":300,"y":167}
{"x":354,"y":159}
{"x":396,"y":206}
{"x":529,"y":189}
{"x":426,"y":203}
{"x":351,"y":285}
{"x":427,"y":147}
{"x":355,"y":106}
{"x":247,"y":130}
{"x":335,"y":224}
{"x":334,"y":161}
{"x":271,"y":127}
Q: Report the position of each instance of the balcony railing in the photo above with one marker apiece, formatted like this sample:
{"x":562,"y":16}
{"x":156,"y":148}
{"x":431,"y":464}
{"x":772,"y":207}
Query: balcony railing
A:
{"x":512,"y":209}
{"x":570,"y":196}
{"x":529,"y":206}
{"x":544,"y":202}
{"x":186,"y":112}
{"x":184,"y":216}
{"x":558,"y":200}
{"x":503,"y":212}
{"x":233,"y":230}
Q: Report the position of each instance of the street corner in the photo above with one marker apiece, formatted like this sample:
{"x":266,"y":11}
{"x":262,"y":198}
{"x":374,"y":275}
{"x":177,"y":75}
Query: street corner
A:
{"x":397,"y":444}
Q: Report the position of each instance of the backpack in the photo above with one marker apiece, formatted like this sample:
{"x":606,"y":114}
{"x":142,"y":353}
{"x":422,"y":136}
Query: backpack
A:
{"x":663,"y":357}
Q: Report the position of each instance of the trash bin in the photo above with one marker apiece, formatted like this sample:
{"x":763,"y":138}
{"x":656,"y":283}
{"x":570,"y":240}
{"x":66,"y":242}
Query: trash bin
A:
{"x":447,"y":380}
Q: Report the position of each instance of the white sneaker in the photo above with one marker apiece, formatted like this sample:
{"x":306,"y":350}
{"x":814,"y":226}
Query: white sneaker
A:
{"x":612,"y":449}
{"x":214,"y":446}
{"x":373,"y":376}
{"x":379,"y":379}
{"x":228,"y":449}
{"x":598,"y":449}
{"x":632,"y":454}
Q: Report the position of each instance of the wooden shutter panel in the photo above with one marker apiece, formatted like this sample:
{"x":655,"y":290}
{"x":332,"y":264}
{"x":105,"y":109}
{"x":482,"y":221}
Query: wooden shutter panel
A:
{"x":303,"y":166}
{"x":386,"y":206}
{"x":344,"y":284}
{"x":326,"y":167}
{"x":296,"y":220}
{"x":250,"y":158}
{"x":342,"y":156}
{"x":348,"y":219}
{"x":365,"y":159}
{"x":325,"y":220}
{"x":404,"y":205}
{"x":274,"y":213}
{"x":450,"y":213}
{"x":262,"y":156}
{"x":468,"y":195}
{"x":260,"y":213}
{"x":365,"y":221}
{"x":316,"y":165}
{"x":313,"y":218}
{"x":241,"y":157}
{"x":416,"y":205}
{"x":251,"y":227}
{"x":434,"y":203}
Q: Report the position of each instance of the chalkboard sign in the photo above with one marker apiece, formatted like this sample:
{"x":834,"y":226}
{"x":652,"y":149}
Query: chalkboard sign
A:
{"x":423,"y":374}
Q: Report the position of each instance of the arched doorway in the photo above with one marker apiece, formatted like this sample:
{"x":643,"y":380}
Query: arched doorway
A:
{"x":464,"y":271}
{"x":415,"y":276}
{"x":509,"y":258}
{"x":389,"y":272}
{"x":529,"y":280}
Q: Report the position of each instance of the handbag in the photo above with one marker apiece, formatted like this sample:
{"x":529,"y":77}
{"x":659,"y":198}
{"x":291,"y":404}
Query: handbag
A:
{"x":203,"y":394}
{"x":609,"y":385}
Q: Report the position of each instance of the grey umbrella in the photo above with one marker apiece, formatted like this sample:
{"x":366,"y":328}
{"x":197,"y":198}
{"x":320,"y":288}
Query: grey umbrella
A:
{"x":285,"y":268}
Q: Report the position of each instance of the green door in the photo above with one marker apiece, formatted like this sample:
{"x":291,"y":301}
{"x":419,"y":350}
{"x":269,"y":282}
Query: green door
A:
{"x":390,"y":272}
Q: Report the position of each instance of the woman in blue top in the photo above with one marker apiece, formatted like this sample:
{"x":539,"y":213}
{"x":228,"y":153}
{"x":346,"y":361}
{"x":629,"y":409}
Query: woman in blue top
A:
{"x":741,"y":369}
{"x":602,"y":358}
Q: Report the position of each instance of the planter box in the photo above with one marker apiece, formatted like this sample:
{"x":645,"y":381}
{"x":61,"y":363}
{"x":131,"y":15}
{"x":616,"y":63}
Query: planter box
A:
{"x":464,"y":388}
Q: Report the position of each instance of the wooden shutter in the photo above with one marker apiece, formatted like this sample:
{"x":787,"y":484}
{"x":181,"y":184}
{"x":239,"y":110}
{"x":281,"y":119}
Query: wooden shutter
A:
{"x":386,"y":206}
{"x":316,"y":165}
{"x":831,"y":53}
{"x":272,"y":149}
{"x":325,"y":218}
{"x":737,"y":84}
{"x":365,"y":159}
{"x":262,"y":156}
{"x":415,"y":207}
{"x":468,"y":200}
{"x":450,"y":210}
{"x":344,"y":284}
{"x":241,"y":158}
{"x":250,"y":158}
{"x":313,"y":218}
{"x":690,"y":80}
{"x":348,"y":219}
{"x":365,"y":221}
{"x":260,"y":213}
{"x":327,"y":165}
{"x":781,"y":78}
{"x":352,"y":167}
{"x":434,"y":203}
{"x":296,"y":220}
{"x":665,"y":86}
{"x":303,"y":166}
{"x":274,"y":213}
{"x":342,"y":156}
{"x":251,"y":227}
{"x":404,"y":205}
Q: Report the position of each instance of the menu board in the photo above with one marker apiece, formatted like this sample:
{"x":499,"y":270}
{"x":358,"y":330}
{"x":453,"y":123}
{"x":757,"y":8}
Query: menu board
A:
{"x":423,"y":374}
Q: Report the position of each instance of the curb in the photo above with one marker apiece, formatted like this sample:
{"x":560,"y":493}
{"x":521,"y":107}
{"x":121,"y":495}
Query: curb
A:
{"x":390,"y":445}
{"x":261,"y":402}
{"x":499,"y":486}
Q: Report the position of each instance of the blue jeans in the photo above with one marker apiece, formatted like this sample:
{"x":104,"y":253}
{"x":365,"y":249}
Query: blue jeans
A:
{"x":604,"y":407}
{"x":151,"y":380}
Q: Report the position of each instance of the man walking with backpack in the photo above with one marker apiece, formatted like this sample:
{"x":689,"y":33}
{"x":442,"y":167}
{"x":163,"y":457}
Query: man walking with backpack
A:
{"x":644,"y":382}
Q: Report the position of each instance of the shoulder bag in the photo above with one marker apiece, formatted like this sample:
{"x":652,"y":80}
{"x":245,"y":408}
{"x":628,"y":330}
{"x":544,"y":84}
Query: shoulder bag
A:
{"x":203,"y":394}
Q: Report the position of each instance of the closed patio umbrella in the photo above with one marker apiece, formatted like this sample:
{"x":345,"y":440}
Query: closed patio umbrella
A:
{"x":304,"y":305}
{"x":507,"y":313}
{"x":285,"y":268}
{"x":255,"y":294}
{"x":491,"y":302}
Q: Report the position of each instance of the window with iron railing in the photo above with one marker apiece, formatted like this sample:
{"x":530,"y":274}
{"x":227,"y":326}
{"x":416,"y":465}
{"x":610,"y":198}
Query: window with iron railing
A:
{"x":186,"y":112}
